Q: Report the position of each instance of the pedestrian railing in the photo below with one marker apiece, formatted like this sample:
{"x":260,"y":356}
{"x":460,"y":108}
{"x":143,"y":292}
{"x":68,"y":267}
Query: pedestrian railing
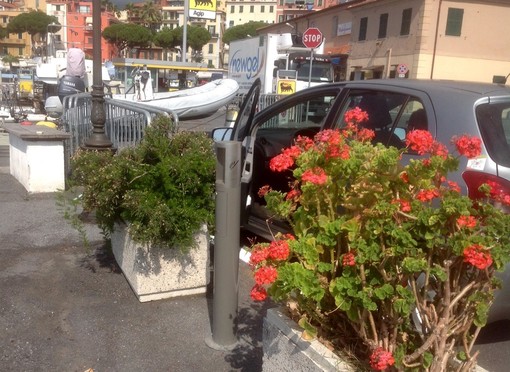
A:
{"x":124,"y":125}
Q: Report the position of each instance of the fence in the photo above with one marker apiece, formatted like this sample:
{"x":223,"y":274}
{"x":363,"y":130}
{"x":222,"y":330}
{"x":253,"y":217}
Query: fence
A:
{"x":124,"y":125}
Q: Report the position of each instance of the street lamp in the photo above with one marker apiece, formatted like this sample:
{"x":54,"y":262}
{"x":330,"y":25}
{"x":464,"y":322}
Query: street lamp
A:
{"x":98,"y":139}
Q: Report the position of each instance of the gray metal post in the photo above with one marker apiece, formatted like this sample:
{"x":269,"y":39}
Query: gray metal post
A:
{"x":226,"y":246}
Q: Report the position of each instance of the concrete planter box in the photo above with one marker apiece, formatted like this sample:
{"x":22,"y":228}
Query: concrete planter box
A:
{"x":285,"y":349}
{"x":155,"y":273}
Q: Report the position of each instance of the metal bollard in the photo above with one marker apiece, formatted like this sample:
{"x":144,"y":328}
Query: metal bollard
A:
{"x":226,"y":246}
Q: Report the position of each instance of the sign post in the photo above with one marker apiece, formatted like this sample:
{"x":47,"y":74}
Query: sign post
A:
{"x":312,"y":38}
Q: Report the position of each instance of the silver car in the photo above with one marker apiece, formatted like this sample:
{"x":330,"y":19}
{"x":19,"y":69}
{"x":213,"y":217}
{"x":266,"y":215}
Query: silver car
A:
{"x":395,"y":106}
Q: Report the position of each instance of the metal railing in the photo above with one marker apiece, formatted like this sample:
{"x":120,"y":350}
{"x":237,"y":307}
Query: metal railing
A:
{"x":124,"y":125}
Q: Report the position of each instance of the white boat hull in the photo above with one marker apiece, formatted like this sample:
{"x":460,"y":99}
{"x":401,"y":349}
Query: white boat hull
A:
{"x":200,"y":101}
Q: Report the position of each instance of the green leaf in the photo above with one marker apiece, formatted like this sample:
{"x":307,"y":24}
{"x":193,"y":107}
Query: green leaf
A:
{"x":413,"y":265}
{"x":384,"y":292}
{"x":309,"y":331}
{"x":427,"y":359}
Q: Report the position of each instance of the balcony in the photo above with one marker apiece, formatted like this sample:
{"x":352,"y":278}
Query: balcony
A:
{"x":14,"y":42}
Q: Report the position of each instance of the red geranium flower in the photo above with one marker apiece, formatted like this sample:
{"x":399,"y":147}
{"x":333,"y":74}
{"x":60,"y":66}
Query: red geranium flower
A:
{"x":427,"y":195}
{"x":265,"y":275}
{"x":292,"y":194}
{"x":420,"y":141}
{"x":349,"y":259}
{"x":466,"y":221}
{"x":279,"y":250}
{"x":258,"y":293}
{"x":259,"y":254}
{"x":381,"y":359}
{"x":281,"y":163}
{"x":477,"y":256}
{"x":470,"y":147}
{"x":263,"y":191}
{"x":316,"y":176}
{"x":454,"y":186}
{"x":355,"y":116}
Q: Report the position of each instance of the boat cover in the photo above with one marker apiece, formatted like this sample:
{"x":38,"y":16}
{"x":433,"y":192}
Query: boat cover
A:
{"x":76,"y":62}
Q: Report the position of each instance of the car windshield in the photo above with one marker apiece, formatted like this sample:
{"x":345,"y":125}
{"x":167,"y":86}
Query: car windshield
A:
{"x":494,"y":122}
{"x":320,"y":71}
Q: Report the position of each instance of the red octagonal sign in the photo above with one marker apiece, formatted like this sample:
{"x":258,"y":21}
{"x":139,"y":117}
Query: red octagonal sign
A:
{"x":312,"y":37}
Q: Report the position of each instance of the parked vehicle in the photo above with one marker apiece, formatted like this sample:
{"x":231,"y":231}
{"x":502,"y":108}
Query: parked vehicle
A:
{"x":277,"y":57}
{"x":396,"y":106}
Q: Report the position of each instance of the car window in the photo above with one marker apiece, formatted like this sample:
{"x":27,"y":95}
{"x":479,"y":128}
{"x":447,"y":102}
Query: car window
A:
{"x":304,"y":114}
{"x":390,"y":115}
{"x":494,"y":123}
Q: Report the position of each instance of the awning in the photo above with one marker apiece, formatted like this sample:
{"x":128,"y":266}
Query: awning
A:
{"x":372,"y":68}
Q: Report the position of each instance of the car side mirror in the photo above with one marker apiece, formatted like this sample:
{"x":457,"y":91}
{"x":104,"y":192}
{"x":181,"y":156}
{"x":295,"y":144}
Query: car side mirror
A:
{"x":221,"y":134}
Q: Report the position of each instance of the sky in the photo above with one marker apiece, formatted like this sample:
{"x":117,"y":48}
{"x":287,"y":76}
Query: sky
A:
{"x":122,"y":3}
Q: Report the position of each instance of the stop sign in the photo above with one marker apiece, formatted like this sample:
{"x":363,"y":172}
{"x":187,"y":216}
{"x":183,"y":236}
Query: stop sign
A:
{"x":312,"y":37}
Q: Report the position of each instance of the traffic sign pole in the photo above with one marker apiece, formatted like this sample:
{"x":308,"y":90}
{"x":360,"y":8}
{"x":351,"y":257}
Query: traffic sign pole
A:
{"x":310,"y":72}
{"x":312,"y":38}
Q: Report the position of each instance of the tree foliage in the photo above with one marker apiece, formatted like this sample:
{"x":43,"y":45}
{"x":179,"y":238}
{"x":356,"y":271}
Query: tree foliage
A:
{"x":167,"y":38}
{"x":129,"y":35}
{"x":150,"y":15}
{"x":33,"y":22}
{"x":242,"y":31}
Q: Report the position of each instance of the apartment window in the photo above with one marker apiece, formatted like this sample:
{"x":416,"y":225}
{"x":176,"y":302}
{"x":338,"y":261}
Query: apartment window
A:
{"x":281,"y":18}
{"x":84,"y":9}
{"x":454,"y":21}
{"x":20,"y":36}
{"x":281,"y":3}
{"x":5,"y":50}
{"x":5,"y":19}
{"x":252,"y":9}
{"x":241,"y":8}
{"x":262,"y":8}
{"x":363,"y":24}
{"x":211,"y":48}
{"x":232,"y":9}
{"x":335,"y":26}
{"x":405,"y":27}
{"x":211,"y":29}
{"x":319,"y":3}
{"x":20,"y":51}
{"x":230,"y":23}
{"x":383,"y":25}
{"x":271,"y":8}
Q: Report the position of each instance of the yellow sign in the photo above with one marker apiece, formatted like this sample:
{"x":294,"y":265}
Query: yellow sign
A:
{"x":202,"y":9}
{"x":286,"y":86}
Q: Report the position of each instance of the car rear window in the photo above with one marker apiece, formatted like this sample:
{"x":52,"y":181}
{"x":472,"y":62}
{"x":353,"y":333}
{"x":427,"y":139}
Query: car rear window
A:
{"x":494,"y":123}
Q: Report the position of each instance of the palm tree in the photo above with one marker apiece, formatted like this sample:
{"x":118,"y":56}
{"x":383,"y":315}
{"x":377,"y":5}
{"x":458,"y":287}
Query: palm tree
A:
{"x":150,"y":15}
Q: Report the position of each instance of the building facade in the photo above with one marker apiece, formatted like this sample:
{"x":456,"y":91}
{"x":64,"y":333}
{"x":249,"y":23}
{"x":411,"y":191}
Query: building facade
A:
{"x":438,"y":39}
{"x":454,"y":39}
{"x":77,"y":27}
{"x":18,"y":45}
{"x":239,"y":12}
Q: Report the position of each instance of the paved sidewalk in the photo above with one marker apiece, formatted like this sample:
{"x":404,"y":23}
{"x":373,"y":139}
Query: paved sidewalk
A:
{"x":66,"y":307}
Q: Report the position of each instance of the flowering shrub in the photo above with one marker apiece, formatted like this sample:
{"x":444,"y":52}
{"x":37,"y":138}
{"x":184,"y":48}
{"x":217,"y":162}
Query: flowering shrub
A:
{"x":163,"y":187}
{"x":386,"y":260}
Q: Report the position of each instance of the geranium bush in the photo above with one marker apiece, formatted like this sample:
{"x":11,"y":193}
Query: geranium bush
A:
{"x":386,"y":260}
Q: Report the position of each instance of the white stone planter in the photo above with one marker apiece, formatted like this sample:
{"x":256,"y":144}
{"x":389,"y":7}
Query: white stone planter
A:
{"x":155,"y":273}
{"x":285,"y":349}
